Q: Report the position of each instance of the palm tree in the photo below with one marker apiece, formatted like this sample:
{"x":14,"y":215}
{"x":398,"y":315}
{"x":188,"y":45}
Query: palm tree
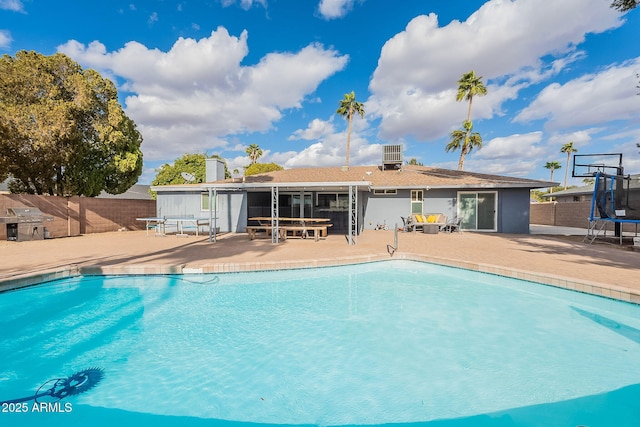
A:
{"x":568,"y":148}
{"x":552,"y":166}
{"x":469,"y":86}
{"x":348,"y":106}
{"x":254,"y":152}
{"x":465,"y":140}
{"x":624,"y":5}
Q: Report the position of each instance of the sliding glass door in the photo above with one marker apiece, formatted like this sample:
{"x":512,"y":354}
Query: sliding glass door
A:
{"x":478,"y":210}
{"x":296,"y":211}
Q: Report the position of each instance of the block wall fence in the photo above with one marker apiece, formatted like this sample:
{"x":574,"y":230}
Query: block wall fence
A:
{"x":74,"y":216}
{"x":566,"y":214}
{"x":81,"y":215}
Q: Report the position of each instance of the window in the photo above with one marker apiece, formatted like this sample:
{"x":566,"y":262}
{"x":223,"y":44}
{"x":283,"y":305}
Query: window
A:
{"x":332,"y":201}
{"x":343,"y":201}
{"x":204,"y":202}
{"x":385,"y":191}
{"x":416,"y":201}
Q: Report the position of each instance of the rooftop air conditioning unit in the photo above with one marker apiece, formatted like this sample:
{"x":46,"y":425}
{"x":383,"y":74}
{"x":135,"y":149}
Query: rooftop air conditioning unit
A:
{"x":391,"y":157}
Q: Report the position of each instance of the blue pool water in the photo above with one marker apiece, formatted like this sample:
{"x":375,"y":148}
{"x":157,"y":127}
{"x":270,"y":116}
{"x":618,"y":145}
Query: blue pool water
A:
{"x":390,"y":342}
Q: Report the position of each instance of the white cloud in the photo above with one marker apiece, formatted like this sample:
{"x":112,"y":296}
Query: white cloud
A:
{"x":428,"y":116}
{"x":245,"y":4}
{"x":330,"y":148}
{"x":5,"y":39}
{"x":153,"y":18}
{"x":332,"y":9}
{"x":315,"y":130}
{"x":189,"y":98}
{"x":512,"y":147}
{"x":580,"y":138}
{"x":331,"y":151}
{"x":514,"y":155}
{"x":12,"y":5}
{"x":504,"y":41}
{"x":148,"y":174}
{"x":630,"y":155}
{"x":512,"y":168}
{"x":595,"y":98}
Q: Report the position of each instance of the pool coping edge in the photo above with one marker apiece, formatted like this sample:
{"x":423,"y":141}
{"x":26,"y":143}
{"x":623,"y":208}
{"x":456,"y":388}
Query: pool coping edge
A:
{"x":595,"y":288}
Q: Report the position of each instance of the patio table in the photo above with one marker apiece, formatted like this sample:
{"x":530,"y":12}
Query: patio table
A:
{"x":285,"y":224}
{"x":160,"y":223}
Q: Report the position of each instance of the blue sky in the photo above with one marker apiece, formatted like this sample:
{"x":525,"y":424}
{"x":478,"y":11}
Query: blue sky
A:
{"x":215,"y":76}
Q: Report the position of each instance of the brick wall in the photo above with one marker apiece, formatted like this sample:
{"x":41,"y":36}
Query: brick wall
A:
{"x":81,"y":215}
{"x":566,"y":214}
{"x":542,"y":213}
{"x":101,"y":215}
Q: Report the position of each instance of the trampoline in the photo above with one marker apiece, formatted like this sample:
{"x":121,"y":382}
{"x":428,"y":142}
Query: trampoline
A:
{"x":611,"y":202}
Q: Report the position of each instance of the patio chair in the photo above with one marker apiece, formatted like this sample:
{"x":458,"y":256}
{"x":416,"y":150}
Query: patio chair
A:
{"x":407,"y":223}
{"x":452,"y":225}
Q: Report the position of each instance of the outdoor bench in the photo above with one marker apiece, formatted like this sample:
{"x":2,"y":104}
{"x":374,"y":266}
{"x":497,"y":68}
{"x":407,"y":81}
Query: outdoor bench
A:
{"x":419,"y":221}
{"x":253,"y":229}
{"x":318,"y":230}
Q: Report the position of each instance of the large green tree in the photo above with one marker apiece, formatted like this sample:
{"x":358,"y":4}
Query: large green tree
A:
{"x":257,"y":168}
{"x":4,"y":160}
{"x":63,"y":130}
{"x":194,"y":164}
{"x":464,"y":140}
{"x":348,"y":107}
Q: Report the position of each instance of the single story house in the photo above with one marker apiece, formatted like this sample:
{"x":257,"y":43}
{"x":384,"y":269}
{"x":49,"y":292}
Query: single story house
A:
{"x":355,"y":198}
{"x":585,"y":192}
{"x":135,"y":192}
{"x":576,"y":194}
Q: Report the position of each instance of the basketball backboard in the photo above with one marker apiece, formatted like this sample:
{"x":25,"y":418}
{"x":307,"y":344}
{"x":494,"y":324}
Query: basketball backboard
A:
{"x":587,"y":165}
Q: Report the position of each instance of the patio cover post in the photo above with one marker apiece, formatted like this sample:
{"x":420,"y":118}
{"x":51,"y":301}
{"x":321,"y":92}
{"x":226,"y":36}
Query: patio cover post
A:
{"x":213,"y":194}
{"x":275,"y":232}
{"x":301,"y":213}
{"x":353,"y":214}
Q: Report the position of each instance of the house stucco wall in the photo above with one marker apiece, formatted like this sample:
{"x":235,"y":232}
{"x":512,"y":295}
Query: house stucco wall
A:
{"x":385,"y":209}
{"x":390,"y":208}
{"x":513,"y":210}
{"x":512,"y":216}
{"x":441,"y":201}
{"x":181,"y":203}
{"x":231,"y":213}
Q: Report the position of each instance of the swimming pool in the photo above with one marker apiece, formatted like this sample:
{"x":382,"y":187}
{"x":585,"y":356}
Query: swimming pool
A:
{"x":388,"y":342}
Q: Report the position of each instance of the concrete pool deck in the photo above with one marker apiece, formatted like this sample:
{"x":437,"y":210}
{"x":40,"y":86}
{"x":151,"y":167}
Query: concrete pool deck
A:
{"x":559,"y":259}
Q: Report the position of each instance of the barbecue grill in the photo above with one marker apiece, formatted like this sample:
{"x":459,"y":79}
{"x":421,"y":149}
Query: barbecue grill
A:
{"x":24,"y":224}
